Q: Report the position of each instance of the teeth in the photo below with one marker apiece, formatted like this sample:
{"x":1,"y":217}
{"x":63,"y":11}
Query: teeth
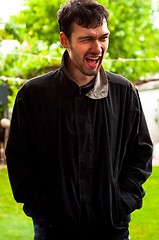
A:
{"x":94,"y":59}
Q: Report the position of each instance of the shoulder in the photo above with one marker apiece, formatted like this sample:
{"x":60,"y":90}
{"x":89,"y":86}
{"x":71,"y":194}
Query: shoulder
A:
{"x":41,"y":79}
{"x":119,"y":81}
{"x":39,"y":83}
{"x":122,"y":90}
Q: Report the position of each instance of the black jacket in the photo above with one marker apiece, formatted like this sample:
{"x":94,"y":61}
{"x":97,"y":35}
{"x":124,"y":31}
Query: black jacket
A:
{"x":79,"y":156}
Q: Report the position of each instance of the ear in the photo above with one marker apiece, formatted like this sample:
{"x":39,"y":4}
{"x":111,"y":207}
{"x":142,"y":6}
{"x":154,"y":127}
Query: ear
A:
{"x":63,"y":39}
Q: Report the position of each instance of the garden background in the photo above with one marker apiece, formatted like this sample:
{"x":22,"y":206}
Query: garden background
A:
{"x":29,"y":46}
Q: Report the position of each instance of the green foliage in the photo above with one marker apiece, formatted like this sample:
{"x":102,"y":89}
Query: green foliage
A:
{"x":130,"y":23}
{"x":36,"y":21}
{"x":3,"y":33}
{"x":131,"y":26}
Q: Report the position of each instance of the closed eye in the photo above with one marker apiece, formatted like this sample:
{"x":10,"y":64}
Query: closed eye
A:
{"x":85,"y":39}
{"x":104,"y":37}
{"x":91,"y":38}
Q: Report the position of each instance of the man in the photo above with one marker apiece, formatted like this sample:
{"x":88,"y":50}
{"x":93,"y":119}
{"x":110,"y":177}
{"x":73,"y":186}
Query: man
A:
{"x":79,"y":149}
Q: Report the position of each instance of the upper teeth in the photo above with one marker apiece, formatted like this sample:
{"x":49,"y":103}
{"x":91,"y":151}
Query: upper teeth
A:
{"x":94,"y":58}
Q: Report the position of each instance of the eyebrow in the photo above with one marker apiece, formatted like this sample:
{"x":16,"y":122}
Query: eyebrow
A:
{"x":93,"y":37}
{"x":106,"y":34}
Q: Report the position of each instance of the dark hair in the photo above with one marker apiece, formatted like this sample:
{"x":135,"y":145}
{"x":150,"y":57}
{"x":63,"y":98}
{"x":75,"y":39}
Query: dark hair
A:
{"x":86,"y":13}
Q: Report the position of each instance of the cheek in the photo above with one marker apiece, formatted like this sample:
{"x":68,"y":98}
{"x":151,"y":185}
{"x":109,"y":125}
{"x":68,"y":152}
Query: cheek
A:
{"x":106,"y":45}
{"x":81,"y":49}
{"x":79,"y":52}
{"x":75,"y":55}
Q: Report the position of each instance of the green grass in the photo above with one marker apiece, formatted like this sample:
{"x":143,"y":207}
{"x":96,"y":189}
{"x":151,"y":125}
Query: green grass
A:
{"x":14,"y":225}
{"x":145,"y":222}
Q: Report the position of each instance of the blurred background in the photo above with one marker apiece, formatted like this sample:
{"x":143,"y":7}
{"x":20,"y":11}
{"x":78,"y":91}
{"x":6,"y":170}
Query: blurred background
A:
{"x":29,"y":46}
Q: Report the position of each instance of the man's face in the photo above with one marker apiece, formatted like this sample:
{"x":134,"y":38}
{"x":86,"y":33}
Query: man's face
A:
{"x":86,"y":49}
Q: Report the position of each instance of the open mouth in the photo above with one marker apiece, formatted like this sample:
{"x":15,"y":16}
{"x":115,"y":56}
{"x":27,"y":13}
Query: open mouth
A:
{"x":92,"y":61}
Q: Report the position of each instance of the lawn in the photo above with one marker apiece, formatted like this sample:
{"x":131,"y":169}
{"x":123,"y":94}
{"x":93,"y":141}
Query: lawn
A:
{"x":14,"y":225}
{"x":145,"y":222}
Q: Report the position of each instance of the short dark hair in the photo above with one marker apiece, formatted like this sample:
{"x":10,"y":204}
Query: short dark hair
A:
{"x":86,"y":13}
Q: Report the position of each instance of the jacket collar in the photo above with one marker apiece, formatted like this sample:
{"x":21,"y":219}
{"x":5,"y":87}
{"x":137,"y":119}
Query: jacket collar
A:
{"x":100,"y":89}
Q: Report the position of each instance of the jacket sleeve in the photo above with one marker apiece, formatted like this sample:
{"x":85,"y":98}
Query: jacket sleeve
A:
{"x":137,"y":163}
{"x":26,"y":181}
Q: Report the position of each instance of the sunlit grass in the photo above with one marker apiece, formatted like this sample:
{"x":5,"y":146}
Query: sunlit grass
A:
{"x":145,"y":222}
{"x":14,"y":225}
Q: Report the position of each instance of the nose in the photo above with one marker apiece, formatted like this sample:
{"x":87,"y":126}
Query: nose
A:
{"x":97,"y":47}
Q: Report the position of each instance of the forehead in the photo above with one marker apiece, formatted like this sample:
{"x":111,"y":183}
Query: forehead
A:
{"x":78,"y":30}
